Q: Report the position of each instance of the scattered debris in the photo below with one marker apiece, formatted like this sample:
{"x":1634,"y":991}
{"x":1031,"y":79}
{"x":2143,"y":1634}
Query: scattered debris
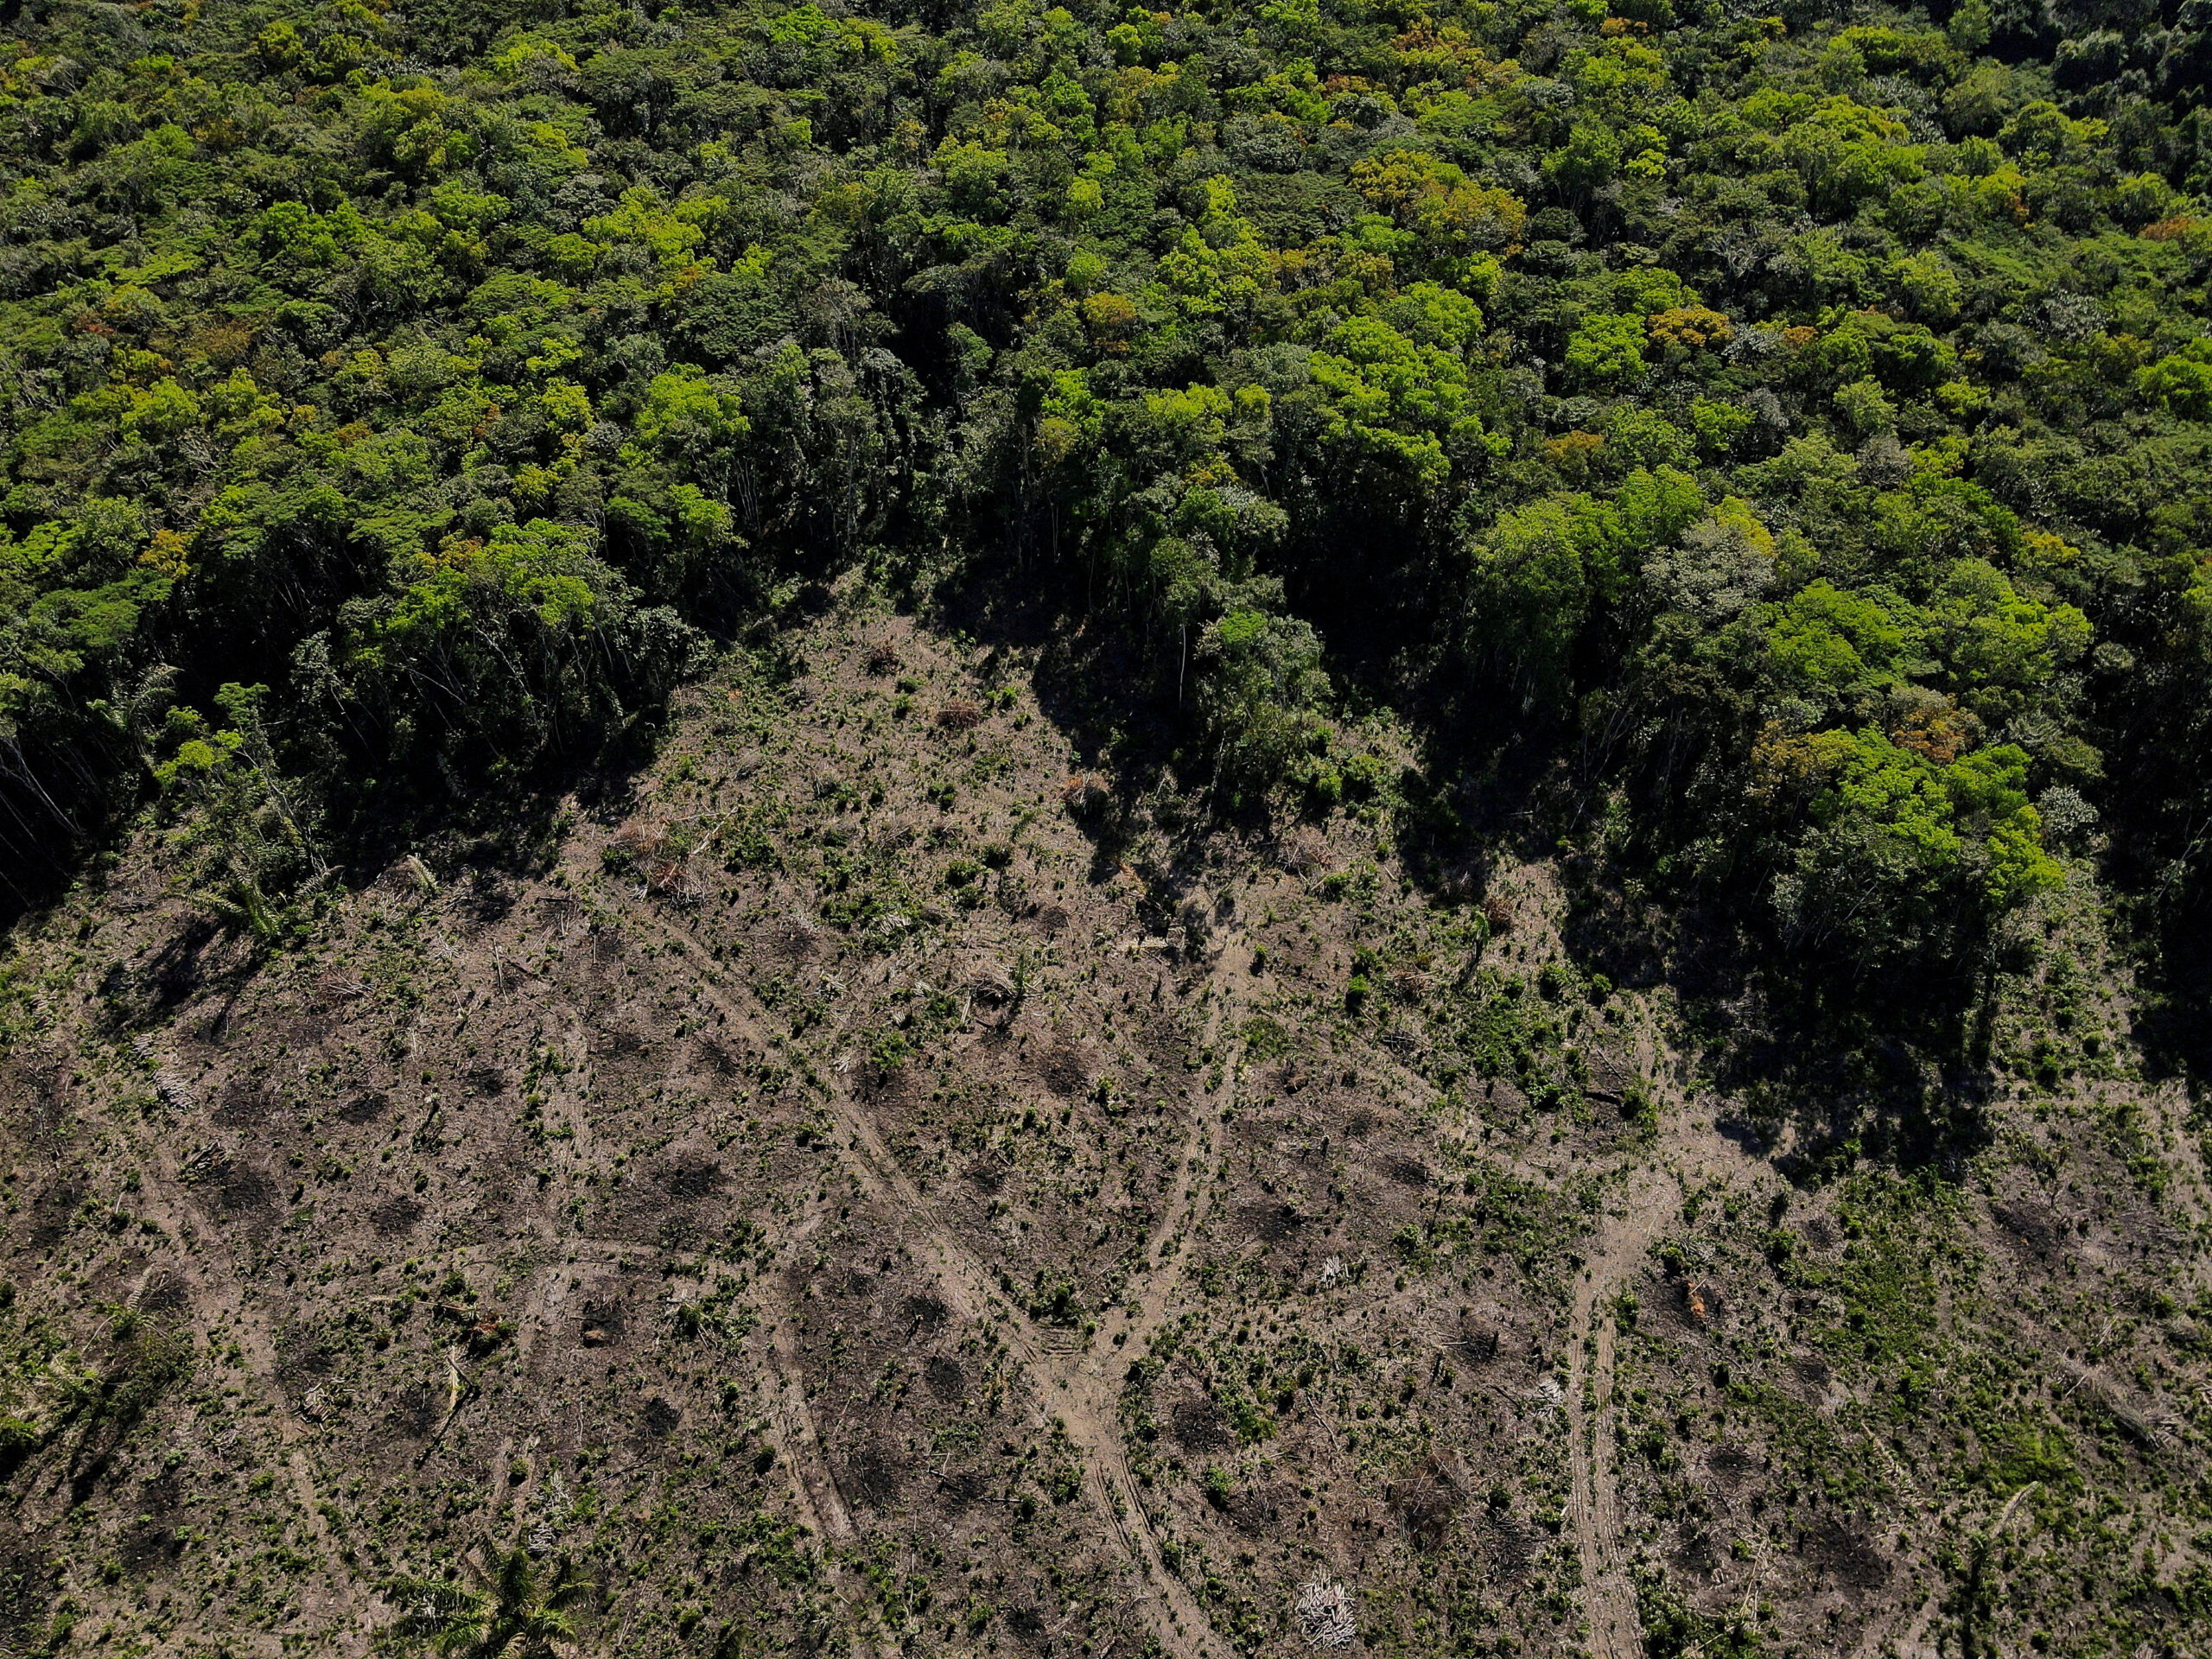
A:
{"x":1084,"y":793}
{"x":335,"y":985}
{"x":1325,"y":1614}
{"x":2095,"y":1385}
{"x":552,"y":1500}
{"x":1302,"y":851}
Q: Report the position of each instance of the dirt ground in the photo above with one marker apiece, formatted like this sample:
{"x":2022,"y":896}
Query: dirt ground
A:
{"x":871,"y":1187}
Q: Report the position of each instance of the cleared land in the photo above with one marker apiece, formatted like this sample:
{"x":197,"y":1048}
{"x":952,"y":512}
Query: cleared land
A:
{"x":864,"y":1186}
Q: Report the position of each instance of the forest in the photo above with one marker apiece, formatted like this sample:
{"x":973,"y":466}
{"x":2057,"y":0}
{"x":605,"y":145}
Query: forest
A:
{"x":1792,"y":427}
{"x":1664,"y":548}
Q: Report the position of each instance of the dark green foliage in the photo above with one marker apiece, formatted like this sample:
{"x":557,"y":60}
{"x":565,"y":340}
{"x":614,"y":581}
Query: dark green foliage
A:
{"x":521,"y":1611}
{"x":1802,"y":424}
{"x":45,"y":1392}
{"x":1675,"y":1630}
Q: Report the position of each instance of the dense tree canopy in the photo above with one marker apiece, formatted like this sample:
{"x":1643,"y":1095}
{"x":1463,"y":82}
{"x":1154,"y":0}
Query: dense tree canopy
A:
{"x":1802,"y":419}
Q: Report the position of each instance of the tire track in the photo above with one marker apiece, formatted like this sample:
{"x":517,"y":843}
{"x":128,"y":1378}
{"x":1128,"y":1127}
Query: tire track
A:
{"x":1608,"y":1596}
{"x":213,"y":1284}
{"x":1083,"y":1394}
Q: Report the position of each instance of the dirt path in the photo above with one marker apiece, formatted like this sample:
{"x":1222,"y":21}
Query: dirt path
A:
{"x":209,"y":1269}
{"x":1080,"y":1386}
{"x":1091,"y":1405}
{"x":1627,"y":1231}
{"x":797,"y":1438}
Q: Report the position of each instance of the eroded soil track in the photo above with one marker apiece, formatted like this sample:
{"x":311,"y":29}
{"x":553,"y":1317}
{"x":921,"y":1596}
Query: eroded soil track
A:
{"x":1622,"y":1238}
{"x":942,"y":1183}
{"x":853,"y":1190}
{"x":1077,"y":1385}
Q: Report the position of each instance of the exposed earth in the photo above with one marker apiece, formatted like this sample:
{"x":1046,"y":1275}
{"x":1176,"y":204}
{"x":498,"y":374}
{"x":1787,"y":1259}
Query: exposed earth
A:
{"x":868,"y":1185}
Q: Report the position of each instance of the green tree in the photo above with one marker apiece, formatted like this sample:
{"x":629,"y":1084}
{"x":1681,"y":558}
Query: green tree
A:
{"x":1897,"y":855}
{"x":518,"y":1612}
{"x":1530,"y":582}
{"x":1397,"y":399}
{"x":1258,"y":702}
{"x":1606,"y":351}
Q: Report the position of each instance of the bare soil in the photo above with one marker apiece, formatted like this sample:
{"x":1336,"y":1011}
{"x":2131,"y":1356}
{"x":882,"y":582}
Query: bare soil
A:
{"x":856,"y":1192}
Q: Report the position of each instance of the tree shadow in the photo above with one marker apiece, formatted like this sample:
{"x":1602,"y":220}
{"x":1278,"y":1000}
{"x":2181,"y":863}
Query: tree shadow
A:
{"x":2173,"y":1023}
{"x":1816,"y":1062}
{"x":1093,"y":682}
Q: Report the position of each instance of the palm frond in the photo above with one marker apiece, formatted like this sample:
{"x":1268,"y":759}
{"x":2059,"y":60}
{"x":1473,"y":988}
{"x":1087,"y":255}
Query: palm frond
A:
{"x":433,"y":1611}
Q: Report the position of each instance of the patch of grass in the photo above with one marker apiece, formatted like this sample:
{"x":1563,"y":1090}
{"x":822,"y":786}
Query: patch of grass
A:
{"x":1264,"y":1039}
